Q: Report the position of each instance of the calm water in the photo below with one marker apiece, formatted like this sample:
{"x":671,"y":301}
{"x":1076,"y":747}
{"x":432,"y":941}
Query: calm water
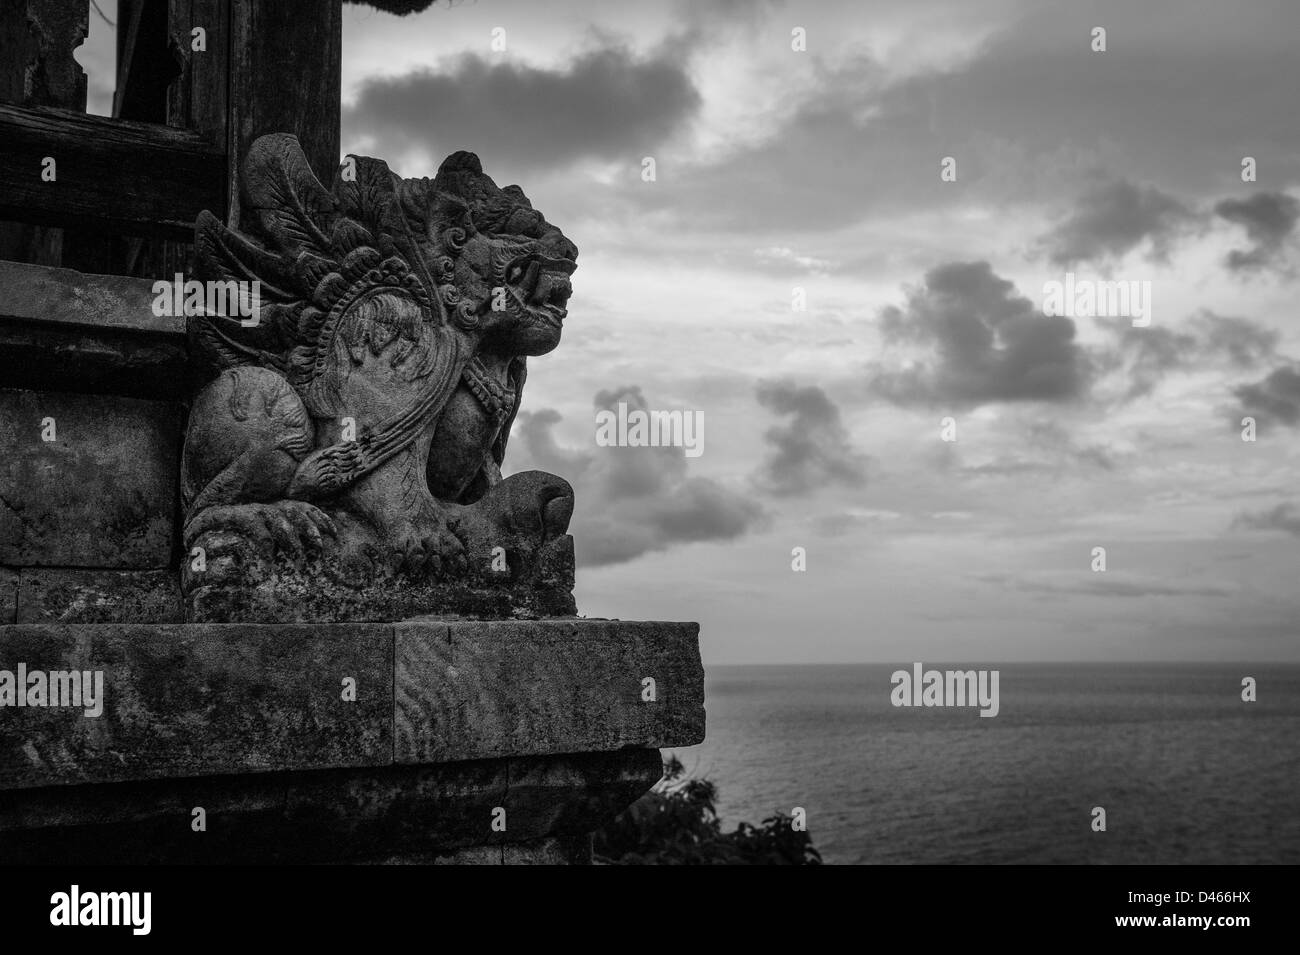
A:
{"x":1187,"y":772}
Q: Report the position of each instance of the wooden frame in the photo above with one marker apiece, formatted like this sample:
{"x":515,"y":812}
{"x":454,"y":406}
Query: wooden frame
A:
{"x":183,"y":118}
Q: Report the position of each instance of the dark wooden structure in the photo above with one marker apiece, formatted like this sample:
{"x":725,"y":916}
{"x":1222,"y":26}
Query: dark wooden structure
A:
{"x":183,"y":116}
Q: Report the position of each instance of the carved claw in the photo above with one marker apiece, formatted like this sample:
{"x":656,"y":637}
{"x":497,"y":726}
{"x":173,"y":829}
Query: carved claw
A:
{"x":292,"y":528}
{"x":432,"y":549}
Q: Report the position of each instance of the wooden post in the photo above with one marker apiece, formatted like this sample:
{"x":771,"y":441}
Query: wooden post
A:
{"x":286,"y":77}
{"x":37,"y":68}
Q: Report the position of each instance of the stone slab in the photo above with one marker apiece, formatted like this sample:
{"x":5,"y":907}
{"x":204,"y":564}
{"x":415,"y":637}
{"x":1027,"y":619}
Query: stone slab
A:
{"x":63,"y":297}
{"x":471,"y":690}
{"x":54,"y":595}
{"x":101,"y":494}
{"x":187,"y":700}
{"x":88,"y":333}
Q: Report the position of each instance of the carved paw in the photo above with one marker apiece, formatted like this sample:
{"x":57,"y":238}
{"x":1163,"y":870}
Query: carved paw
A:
{"x":294,"y":529}
{"x":431,"y":547}
{"x":520,"y":516}
{"x":530,"y":504}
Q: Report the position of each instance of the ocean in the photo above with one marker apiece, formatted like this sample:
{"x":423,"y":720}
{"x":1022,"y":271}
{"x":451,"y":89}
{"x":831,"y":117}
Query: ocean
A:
{"x":1185,"y":770}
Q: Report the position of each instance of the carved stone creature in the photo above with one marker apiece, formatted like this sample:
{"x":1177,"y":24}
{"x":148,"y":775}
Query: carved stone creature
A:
{"x":344,"y":462}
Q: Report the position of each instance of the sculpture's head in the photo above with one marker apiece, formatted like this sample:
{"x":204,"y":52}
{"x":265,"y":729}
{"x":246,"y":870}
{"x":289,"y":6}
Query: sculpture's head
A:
{"x":432,"y":270}
{"x":508,"y":267}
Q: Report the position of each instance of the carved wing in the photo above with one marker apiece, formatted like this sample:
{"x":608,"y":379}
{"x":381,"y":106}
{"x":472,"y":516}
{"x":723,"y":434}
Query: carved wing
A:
{"x":315,"y":255}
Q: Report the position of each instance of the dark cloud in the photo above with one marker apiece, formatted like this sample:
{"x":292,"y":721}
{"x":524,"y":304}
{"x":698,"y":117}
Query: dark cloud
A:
{"x":631,"y":501}
{"x":1025,"y":118}
{"x":1111,"y":219}
{"x":1269,"y":218}
{"x":1146,"y":356}
{"x":809,"y":451}
{"x":606,"y":104}
{"x":1284,"y":517}
{"x":987,"y":344}
{"x":1243,"y":342}
{"x":1276,"y":396}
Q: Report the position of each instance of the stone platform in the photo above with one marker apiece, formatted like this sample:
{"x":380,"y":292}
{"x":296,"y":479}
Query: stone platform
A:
{"x":421,"y":741}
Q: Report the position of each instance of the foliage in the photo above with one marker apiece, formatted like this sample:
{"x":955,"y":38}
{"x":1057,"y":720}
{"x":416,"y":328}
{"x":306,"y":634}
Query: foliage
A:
{"x":677,"y":823}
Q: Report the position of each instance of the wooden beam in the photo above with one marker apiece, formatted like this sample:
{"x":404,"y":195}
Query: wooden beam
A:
{"x":135,"y":178}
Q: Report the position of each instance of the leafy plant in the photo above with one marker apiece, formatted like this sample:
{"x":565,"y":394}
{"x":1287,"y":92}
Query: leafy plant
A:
{"x":676,"y":823}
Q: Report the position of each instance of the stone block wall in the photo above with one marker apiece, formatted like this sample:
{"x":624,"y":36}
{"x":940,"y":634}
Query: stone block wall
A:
{"x":91,"y":422}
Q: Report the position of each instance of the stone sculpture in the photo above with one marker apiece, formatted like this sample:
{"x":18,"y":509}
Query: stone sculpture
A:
{"x":343,"y":460}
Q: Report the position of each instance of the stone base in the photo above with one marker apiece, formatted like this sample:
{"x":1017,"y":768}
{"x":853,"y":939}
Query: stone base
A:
{"x":430,"y":740}
{"x":446,"y":814}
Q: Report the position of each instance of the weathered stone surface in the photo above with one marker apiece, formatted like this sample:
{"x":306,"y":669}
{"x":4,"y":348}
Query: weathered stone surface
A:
{"x":63,"y":298}
{"x":102,"y":494}
{"x":8,"y":595}
{"x":564,"y":794}
{"x":474,"y":855}
{"x":35,"y":356}
{"x":344,"y":462}
{"x":439,"y":807}
{"x":261,"y":586}
{"x":89,"y":333}
{"x":472,"y":690}
{"x":199,"y":700}
{"x":392,"y":815}
{"x":549,"y":851}
{"x":99,"y":596}
{"x":208,"y":699}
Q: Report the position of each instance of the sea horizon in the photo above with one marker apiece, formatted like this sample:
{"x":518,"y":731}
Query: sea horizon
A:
{"x":1185,"y":769}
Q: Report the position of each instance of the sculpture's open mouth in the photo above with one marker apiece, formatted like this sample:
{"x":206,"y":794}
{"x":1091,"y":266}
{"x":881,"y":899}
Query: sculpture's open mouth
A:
{"x":540,"y":285}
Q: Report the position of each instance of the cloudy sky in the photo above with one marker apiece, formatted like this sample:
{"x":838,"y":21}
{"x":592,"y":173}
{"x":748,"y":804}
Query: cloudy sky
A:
{"x":820,"y":169}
